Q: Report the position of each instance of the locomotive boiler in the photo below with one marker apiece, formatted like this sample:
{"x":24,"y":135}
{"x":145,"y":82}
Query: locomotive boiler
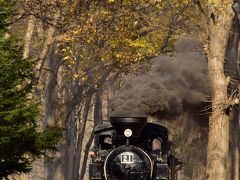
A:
{"x":130,"y":148}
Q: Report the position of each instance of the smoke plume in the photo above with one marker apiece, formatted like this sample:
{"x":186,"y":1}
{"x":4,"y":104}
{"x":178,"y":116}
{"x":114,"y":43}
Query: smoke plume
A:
{"x":171,"y":83}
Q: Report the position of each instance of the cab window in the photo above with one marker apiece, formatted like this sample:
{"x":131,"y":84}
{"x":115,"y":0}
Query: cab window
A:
{"x":105,"y":142}
{"x":156,"y":144}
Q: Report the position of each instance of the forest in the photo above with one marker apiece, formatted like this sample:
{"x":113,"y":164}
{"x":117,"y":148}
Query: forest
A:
{"x":67,"y":66}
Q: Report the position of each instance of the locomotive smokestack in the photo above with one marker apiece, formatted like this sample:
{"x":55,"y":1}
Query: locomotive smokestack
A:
{"x":128,"y":126}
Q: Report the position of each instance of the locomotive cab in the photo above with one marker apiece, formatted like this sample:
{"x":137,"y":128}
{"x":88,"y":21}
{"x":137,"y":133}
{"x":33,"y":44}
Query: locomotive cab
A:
{"x":130,"y":148}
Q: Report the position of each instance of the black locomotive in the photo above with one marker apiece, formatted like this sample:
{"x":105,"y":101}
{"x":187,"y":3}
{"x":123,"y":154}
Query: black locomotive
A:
{"x":130,"y":148}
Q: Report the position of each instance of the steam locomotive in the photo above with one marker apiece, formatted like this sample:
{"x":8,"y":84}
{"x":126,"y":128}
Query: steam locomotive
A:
{"x":130,"y":148}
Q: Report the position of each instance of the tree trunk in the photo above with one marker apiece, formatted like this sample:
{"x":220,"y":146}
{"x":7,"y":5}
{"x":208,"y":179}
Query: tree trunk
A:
{"x":218,"y":140}
{"x":235,"y":144}
{"x":28,"y":37}
{"x":231,"y":69}
{"x":48,"y":83}
{"x":81,"y":136}
{"x":85,"y":157}
{"x":51,"y":103}
{"x":46,"y":46}
{"x":52,"y":167}
{"x":98,"y":108}
{"x":26,"y":51}
{"x":71,"y":143}
{"x":96,"y":121}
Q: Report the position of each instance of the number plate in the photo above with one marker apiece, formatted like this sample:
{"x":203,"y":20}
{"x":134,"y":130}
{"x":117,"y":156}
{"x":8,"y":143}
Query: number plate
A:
{"x":127,"y":158}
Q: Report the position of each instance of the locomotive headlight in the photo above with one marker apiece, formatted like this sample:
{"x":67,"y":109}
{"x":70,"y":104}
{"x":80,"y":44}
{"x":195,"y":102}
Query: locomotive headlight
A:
{"x":128,"y":132}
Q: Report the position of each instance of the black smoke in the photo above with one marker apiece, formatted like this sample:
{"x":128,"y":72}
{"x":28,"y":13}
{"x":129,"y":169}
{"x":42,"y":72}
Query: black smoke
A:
{"x":171,"y":84}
